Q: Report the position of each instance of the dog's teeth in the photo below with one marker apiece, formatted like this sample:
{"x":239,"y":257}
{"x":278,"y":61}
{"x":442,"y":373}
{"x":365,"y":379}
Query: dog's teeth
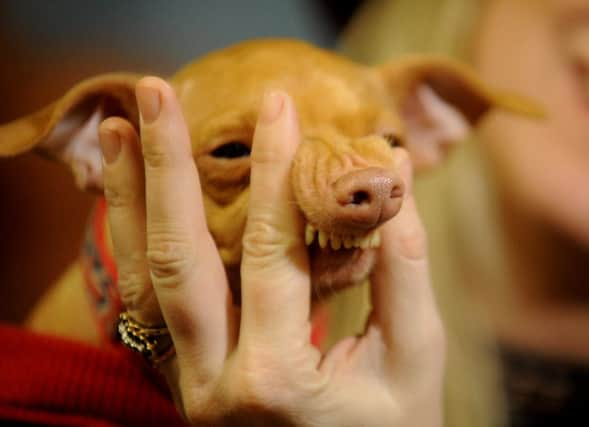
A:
{"x":365,"y":242}
{"x":368,"y":240}
{"x":372,"y":240}
{"x":309,"y":234}
{"x":336,"y":242}
{"x":322,"y":239}
{"x":375,"y":240}
{"x":348,"y":242}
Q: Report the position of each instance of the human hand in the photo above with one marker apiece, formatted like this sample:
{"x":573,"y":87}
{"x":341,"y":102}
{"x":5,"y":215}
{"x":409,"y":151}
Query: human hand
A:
{"x":255,"y":365}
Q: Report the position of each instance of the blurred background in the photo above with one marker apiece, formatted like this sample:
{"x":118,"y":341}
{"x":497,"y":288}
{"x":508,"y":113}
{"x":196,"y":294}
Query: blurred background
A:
{"x":506,"y":215}
{"x":46,"y":47}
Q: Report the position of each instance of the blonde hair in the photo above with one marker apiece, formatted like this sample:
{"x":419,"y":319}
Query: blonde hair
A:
{"x":381,"y":31}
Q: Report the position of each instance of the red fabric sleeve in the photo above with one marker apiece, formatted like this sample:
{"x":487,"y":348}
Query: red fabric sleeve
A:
{"x":53,"y":381}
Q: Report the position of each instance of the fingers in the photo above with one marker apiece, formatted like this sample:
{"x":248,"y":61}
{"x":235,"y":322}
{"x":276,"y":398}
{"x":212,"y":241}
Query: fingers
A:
{"x":185,"y":269}
{"x":404,"y":309}
{"x":275,"y":272}
{"x":125,"y":195}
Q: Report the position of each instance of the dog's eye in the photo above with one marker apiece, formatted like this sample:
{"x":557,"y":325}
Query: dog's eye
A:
{"x":392,"y":139}
{"x":231,"y":150}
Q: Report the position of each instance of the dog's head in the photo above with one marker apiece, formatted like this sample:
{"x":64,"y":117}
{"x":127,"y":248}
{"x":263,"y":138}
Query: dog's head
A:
{"x":354,"y":122}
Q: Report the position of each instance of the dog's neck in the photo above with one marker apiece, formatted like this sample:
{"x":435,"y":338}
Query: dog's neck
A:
{"x":100,"y":273}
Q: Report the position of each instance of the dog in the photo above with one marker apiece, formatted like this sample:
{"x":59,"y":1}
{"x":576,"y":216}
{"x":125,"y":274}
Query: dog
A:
{"x":353,"y":118}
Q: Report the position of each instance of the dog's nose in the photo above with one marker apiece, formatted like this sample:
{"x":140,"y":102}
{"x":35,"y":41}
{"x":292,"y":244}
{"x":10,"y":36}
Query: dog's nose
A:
{"x":366,"y":198}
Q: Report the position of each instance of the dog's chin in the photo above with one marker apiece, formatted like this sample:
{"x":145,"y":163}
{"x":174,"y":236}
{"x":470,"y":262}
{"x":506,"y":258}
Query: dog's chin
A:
{"x":334,"y":270}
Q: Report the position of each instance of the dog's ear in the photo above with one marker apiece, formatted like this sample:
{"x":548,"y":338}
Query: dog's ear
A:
{"x":439,"y":101}
{"x":67,"y":130}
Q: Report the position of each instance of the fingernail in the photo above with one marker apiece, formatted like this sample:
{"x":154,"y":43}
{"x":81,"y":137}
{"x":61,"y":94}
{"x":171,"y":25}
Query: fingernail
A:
{"x":110,"y":143}
{"x":272,"y":105}
{"x":148,"y":99}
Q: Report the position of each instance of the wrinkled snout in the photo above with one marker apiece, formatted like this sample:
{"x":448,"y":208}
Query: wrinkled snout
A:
{"x":364,"y":199}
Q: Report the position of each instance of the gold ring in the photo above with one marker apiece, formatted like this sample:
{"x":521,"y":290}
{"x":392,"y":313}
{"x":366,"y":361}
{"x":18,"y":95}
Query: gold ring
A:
{"x":154,"y":343}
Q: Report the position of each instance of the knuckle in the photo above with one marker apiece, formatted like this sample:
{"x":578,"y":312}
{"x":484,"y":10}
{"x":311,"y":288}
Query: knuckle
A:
{"x":156,"y":157}
{"x":134,"y":287}
{"x":170,"y":260}
{"x":160,"y":152}
{"x":263,"y":239}
{"x":119,"y":197}
{"x":266,"y":155}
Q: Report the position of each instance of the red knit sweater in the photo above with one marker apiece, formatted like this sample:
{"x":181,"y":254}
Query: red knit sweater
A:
{"x":52,"y":381}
